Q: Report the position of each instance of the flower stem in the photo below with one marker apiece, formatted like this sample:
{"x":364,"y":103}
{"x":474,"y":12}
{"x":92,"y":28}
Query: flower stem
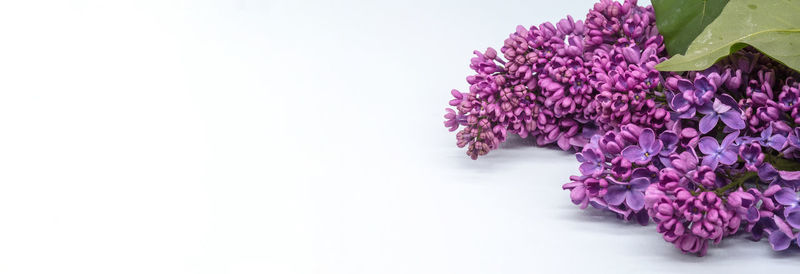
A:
{"x":738,"y":182}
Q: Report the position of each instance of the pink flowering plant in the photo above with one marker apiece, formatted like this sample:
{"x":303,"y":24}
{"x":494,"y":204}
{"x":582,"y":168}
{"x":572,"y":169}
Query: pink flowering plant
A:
{"x":679,"y":114}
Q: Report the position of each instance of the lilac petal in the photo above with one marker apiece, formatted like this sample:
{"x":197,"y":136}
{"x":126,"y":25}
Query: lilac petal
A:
{"x":708,"y":145}
{"x":729,"y":139}
{"x":732,"y":119}
{"x":615,"y":194}
{"x":457,"y":94}
{"x":647,"y":138}
{"x":793,"y":218}
{"x":579,"y":157}
{"x":794,"y":139}
{"x":711,"y":161}
{"x":640,"y":184}
{"x":706,"y":109}
{"x":563,"y":142}
{"x":728,"y":157}
{"x":708,"y":122}
{"x":665,"y":161}
{"x":752,"y":215}
{"x":789,"y":175}
{"x":703,"y":84}
{"x":590,"y":168}
{"x":767,"y":173}
{"x":631,"y":55}
{"x":669,"y":138}
{"x":684,"y":85}
{"x":688,"y":114}
{"x":729,"y":101}
{"x":670,"y":141}
{"x":779,"y":240}
{"x":633,"y":153}
{"x":592,"y":156}
{"x":578,"y":194}
{"x":655,"y":148}
{"x":719,"y":107}
{"x":786,"y":196}
{"x":682,"y":106}
{"x":767,"y":132}
{"x":777,"y":142}
{"x":635,"y":200}
{"x":640,"y":172}
{"x":783,"y":226}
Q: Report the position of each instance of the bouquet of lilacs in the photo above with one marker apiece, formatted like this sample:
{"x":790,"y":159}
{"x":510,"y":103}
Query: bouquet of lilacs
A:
{"x":704,"y":153}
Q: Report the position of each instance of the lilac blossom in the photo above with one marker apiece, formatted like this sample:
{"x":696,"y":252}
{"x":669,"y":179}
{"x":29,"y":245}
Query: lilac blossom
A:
{"x":724,"y":108}
{"x":632,"y":193}
{"x":752,"y":156}
{"x":794,"y":138}
{"x":698,"y":93}
{"x":781,"y":236}
{"x":454,"y":120}
{"x":591,"y":160}
{"x":682,"y":107}
{"x":716,"y":153}
{"x":789,"y":198}
{"x":670,"y":141}
{"x":591,"y":87}
{"x":775,"y":141}
{"x":647,"y":148}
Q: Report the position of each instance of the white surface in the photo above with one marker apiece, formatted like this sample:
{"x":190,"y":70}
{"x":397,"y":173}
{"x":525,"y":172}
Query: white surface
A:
{"x":285,"y":137}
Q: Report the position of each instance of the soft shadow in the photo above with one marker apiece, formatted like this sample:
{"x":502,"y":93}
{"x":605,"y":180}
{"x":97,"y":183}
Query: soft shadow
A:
{"x":514,"y":150}
{"x":732,"y":248}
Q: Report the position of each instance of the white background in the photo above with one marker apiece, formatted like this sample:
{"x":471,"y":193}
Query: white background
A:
{"x":286,"y":137}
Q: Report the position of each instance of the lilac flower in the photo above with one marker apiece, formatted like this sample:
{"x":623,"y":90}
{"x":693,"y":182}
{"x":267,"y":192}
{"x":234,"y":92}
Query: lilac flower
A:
{"x":705,"y":211}
{"x":682,"y":107}
{"x":591,"y":160}
{"x":772,"y":176}
{"x":620,"y":167}
{"x":724,"y":108}
{"x":647,"y":148}
{"x":794,"y":138}
{"x":700,"y":92}
{"x":781,"y":237}
{"x":788,"y":99}
{"x":454,"y":120}
{"x":705,"y":176}
{"x":788,"y":198}
{"x":744,"y":203}
{"x":717,"y":153}
{"x":649,"y":172}
{"x":670,"y":141}
{"x":631,"y":192}
{"x":591,"y":86}
{"x":670,"y":179}
{"x":689,"y":137}
{"x":752,"y":156}
{"x":684,"y":162}
{"x":775,"y":141}
{"x":585,"y":188}
{"x":458,"y":97}
{"x":609,"y":143}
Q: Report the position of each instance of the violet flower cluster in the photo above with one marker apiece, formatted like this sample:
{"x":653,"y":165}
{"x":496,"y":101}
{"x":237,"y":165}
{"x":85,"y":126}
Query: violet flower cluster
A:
{"x":726,"y":162}
{"x":562,"y":83}
{"x":702,"y":154}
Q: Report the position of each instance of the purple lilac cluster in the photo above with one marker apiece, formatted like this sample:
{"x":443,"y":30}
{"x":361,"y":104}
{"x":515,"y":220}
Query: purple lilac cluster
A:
{"x":727,"y":161}
{"x":702,"y":154}
{"x":562,"y":83}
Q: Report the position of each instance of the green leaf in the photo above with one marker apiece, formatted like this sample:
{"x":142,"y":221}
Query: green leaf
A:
{"x":680,"y":21}
{"x":772,"y":27}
